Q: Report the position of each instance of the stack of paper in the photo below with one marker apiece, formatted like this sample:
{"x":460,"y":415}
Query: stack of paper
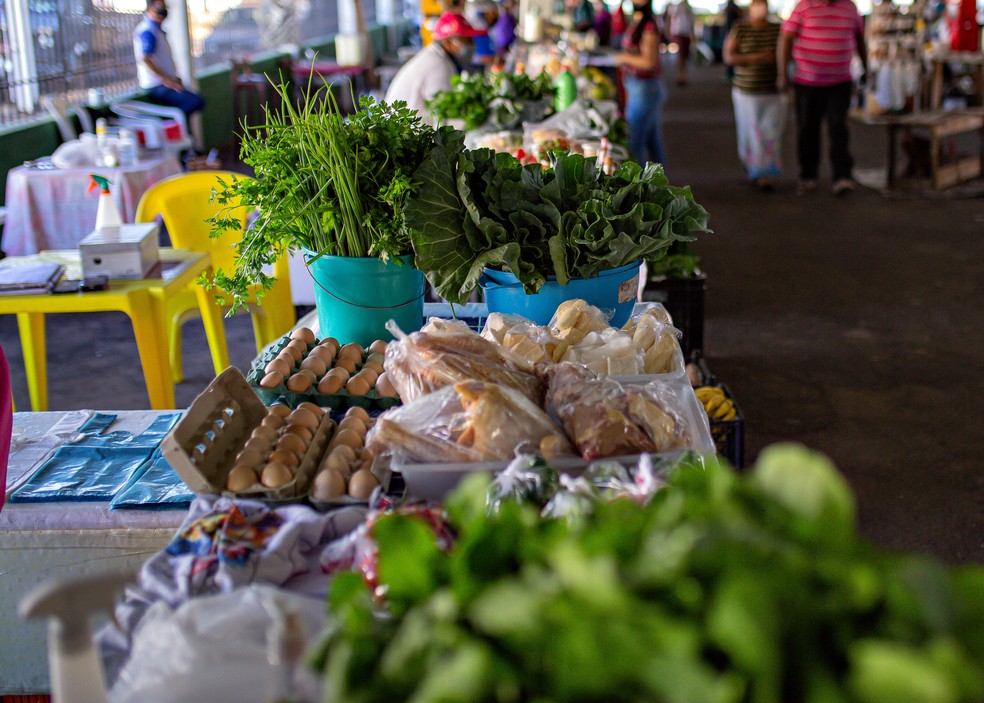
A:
{"x":21,"y":279}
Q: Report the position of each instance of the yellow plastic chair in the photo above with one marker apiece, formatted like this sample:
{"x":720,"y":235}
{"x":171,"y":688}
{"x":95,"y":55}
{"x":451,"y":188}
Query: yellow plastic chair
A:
{"x":183,"y":201}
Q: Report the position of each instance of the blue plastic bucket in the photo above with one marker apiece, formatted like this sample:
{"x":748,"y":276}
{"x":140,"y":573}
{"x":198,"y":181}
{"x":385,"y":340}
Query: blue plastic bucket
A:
{"x":613,"y":290}
{"x":356,"y":296}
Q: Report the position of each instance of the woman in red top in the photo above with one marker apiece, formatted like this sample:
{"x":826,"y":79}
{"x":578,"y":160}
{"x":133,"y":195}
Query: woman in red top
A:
{"x":644,"y":92}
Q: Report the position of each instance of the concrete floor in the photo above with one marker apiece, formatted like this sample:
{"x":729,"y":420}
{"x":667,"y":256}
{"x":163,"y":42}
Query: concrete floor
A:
{"x":853,"y":325}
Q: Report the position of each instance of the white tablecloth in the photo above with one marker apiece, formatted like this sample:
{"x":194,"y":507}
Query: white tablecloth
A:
{"x":50,"y":209}
{"x":43,"y":541}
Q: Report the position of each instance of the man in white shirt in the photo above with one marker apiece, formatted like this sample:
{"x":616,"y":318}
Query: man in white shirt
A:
{"x":431,"y":70}
{"x":155,"y":64}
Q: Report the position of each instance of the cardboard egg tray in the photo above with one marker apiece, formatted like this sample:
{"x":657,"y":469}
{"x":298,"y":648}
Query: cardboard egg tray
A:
{"x":202,"y":447}
{"x":337,"y":401}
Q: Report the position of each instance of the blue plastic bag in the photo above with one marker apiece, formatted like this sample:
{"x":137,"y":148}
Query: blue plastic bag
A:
{"x":154,"y":486}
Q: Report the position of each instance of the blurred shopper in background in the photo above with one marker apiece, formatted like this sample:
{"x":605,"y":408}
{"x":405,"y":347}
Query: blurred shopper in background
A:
{"x":821,"y":37}
{"x":602,"y":23}
{"x":504,"y":31}
{"x":431,"y":70}
{"x":644,"y":92}
{"x":732,"y":16}
{"x":681,"y":30}
{"x":482,"y":15}
{"x":583,"y":15}
{"x":760,"y":109}
{"x":156,"y":72}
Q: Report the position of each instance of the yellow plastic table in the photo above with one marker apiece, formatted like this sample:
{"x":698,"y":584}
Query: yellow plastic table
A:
{"x":146,"y":303}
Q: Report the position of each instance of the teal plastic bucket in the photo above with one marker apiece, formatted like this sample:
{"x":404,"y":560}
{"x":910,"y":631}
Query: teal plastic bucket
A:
{"x":613,"y":290}
{"x":356,"y":296}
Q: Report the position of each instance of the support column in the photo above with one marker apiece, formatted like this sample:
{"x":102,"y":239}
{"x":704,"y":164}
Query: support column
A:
{"x":179,"y":37}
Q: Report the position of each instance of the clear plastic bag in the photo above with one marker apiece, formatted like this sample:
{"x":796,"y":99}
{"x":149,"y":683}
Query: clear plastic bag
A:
{"x":607,"y":353}
{"x":654,"y":335}
{"x":575,"y":319}
{"x":581,"y":120}
{"x":527,"y":479}
{"x":423,"y":362}
{"x":470,"y":421}
{"x":605,"y":418}
{"x":533,"y":343}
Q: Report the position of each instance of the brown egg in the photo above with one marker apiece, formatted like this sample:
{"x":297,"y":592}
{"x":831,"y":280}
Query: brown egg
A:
{"x":358,"y":412}
{"x":260,"y":444}
{"x":299,"y":382}
{"x":315,"y":364}
{"x":352,"y":351}
{"x":287,"y":358}
{"x":276,"y":475}
{"x":353,"y":423}
{"x":265,"y":432}
{"x":369,"y":375}
{"x":347,"y":437}
{"x":292,"y":352}
{"x":278,"y":365}
{"x":326,"y":354}
{"x":328,"y":485}
{"x":372,"y":365}
{"x":337,"y":462}
{"x":301,"y":431}
{"x":345,"y":363}
{"x":297,"y":344}
{"x":340,"y":373}
{"x":378,"y":347}
{"x":292,"y":443}
{"x":240,"y":478}
{"x":273,"y":422}
{"x":280,"y":410}
{"x":304,"y":334}
{"x":271,"y":380}
{"x":318,"y":412}
{"x":303,"y":416}
{"x":384,"y":386}
{"x":332,"y":341}
{"x":287,"y":458}
{"x":250,"y":457}
{"x":357,"y":386}
{"x":366,"y":457}
{"x":330,"y":385}
{"x":362,"y":484}
{"x":345,"y":451}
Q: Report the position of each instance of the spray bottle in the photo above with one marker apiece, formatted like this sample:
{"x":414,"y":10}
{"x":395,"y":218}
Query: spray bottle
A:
{"x":107,"y":215}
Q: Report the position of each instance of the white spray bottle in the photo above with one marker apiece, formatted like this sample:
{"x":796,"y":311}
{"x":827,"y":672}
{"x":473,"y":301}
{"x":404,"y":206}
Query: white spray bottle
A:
{"x":107,"y":214}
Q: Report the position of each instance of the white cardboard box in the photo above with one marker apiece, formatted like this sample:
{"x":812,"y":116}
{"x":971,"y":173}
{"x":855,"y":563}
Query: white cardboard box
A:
{"x":127,"y":251}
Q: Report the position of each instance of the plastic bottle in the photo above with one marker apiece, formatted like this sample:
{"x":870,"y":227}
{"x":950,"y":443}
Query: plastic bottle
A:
{"x":107,"y":214}
{"x":566,"y":86}
{"x":127,"y":148}
{"x":106,"y":153}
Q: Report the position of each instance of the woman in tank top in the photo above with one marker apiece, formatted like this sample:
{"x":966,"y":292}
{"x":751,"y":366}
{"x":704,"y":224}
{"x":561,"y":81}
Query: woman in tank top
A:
{"x":644,"y":92}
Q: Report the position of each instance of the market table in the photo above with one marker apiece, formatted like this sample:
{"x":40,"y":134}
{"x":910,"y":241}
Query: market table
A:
{"x":145,"y":301}
{"x":49,"y":208}
{"x":45,"y":541}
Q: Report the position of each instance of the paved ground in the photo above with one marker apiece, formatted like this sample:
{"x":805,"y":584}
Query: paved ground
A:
{"x":853,"y":325}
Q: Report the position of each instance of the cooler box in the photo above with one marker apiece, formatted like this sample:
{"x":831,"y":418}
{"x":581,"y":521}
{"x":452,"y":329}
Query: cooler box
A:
{"x":127,"y":251}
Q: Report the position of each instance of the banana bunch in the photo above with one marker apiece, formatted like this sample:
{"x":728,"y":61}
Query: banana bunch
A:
{"x":716,"y":404}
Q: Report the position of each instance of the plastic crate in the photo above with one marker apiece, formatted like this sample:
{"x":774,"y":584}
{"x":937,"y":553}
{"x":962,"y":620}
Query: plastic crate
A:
{"x":684,"y":300}
{"x":729,"y":435}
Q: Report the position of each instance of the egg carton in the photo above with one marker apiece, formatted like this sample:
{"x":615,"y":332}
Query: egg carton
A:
{"x":336,"y":401}
{"x":202,"y":447}
{"x":383,"y":472}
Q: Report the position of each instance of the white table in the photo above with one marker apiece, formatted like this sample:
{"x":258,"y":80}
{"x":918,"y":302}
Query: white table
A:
{"x":49,"y":208}
{"x":42,"y":541}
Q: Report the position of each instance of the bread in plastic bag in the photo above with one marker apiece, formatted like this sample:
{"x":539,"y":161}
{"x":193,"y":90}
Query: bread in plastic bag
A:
{"x":654,"y":335}
{"x":441,"y":325}
{"x":423,"y":362}
{"x":470,"y":421}
{"x":605,"y":418}
{"x":610,"y":352}
{"x":533,"y":343}
{"x":575,"y":319}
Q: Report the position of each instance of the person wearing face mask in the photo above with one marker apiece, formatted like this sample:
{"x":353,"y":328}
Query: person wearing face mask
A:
{"x":760,"y":109}
{"x":644,"y":92}
{"x":156,"y":72}
{"x":431,"y":70}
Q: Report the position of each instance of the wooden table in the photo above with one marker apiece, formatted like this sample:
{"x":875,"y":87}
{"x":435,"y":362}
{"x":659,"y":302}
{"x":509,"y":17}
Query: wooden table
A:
{"x":973,"y":60}
{"x":940,"y":125}
{"x":146,"y":303}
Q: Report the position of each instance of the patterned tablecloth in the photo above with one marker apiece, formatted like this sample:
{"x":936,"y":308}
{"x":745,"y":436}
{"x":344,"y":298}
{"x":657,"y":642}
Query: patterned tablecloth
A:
{"x":49,"y":208}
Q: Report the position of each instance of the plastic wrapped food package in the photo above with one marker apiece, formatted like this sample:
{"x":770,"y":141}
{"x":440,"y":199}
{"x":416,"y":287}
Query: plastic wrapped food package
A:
{"x":470,"y":421}
{"x":653,"y":334}
{"x":610,"y":352}
{"x":605,"y":418}
{"x":440,"y":325}
{"x":575,"y":319}
{"x":423,"y":362}
{"x":533,"y":343}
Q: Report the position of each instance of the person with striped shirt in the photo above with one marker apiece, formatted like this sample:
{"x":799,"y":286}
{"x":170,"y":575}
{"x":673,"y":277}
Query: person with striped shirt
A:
{"x":821,"y":37}
{"x":760,"y":109}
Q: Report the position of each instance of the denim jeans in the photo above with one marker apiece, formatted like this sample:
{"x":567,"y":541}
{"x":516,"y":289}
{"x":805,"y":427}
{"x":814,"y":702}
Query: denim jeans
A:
{"x":814,"y":105}
{"x":184,"y":100}
{"x":644,"y":98}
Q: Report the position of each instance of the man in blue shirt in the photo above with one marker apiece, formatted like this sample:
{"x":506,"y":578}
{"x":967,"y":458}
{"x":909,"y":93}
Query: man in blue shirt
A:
{"x":155,"y":64}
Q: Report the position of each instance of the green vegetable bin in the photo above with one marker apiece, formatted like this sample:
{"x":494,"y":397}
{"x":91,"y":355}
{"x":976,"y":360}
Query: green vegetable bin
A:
{"x":612,"y":290}
{"x":356,"y":296}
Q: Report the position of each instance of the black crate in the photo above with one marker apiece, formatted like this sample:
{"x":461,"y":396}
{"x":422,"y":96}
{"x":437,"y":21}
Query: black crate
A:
{"x":729,"y":435}
{"x":684,"y":300}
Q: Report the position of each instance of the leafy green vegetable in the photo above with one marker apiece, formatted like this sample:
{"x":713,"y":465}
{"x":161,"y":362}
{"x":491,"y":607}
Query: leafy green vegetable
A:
{"x":324,"y":182}
{"x":723,"y":588}
{"x":477,"y":209}
{"x":503,"y":100}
